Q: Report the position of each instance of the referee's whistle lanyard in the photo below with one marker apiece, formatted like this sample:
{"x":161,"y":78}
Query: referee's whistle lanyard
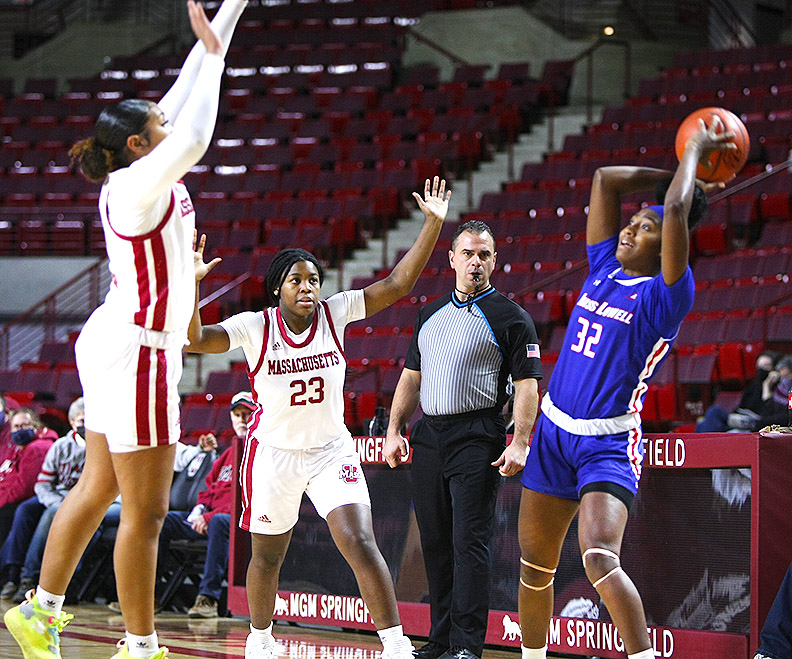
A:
{"x":471,"y":297}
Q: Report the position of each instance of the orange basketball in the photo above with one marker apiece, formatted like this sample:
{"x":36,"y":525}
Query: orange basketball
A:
{"x":724,"y":163}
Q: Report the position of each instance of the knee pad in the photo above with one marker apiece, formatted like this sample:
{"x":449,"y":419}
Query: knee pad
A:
{"x":604,"y":552}
{"x":538,"y":568}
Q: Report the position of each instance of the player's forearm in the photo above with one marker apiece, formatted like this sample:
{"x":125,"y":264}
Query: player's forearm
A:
{"x":624,"y":180}
{"x":195,"y":328}
{"x":409,"y":268}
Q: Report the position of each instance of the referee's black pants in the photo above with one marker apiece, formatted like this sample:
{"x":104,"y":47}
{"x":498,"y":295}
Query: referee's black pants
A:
{"x":454,"y":492}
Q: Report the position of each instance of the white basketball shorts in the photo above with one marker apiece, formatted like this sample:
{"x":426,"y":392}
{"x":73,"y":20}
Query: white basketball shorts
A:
{"x":130,"y":390}
{"x":273,"y":482}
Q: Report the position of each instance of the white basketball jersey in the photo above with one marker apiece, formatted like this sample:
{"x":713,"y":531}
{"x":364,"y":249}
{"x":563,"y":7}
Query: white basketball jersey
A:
{"x":151,"y":256}
{"x":297,"y":380}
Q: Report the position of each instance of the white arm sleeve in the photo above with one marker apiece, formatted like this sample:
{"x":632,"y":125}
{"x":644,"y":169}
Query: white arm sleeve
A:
{"x":149,"y":177}
{"x":223,"y":23}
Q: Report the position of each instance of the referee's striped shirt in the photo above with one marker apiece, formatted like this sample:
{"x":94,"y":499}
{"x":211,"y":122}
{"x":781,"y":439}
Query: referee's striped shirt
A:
{"x":469,"y":354}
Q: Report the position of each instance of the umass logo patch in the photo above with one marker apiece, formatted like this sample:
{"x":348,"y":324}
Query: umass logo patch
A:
{"x":349,"y":473}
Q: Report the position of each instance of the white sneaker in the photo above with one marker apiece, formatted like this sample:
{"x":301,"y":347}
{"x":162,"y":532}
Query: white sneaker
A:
{"x":401,"y":649}
{"x":259,"y":650}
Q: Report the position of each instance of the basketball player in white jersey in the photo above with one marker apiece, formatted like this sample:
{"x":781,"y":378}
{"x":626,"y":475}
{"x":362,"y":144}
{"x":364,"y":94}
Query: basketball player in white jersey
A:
{"x":129,"y":352}
{"x":297,"y":441}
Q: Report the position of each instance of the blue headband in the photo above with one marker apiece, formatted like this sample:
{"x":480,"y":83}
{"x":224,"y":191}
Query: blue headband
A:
{"x":660,"y":210}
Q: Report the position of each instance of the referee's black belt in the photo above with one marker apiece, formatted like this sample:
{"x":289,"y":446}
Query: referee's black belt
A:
{"x":489,"y":413}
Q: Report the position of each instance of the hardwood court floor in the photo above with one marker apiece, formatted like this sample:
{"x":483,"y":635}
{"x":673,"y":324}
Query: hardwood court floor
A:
{"x":95,"y":630}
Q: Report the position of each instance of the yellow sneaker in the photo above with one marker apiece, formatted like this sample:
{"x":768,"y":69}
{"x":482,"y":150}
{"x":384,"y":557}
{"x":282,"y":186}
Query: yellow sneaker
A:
{"x":123,"y":653}
{"x":36,"y":630}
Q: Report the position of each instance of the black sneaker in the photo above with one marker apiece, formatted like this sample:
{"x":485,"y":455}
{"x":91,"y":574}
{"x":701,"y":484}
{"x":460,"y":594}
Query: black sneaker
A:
{"x":431,"y":650}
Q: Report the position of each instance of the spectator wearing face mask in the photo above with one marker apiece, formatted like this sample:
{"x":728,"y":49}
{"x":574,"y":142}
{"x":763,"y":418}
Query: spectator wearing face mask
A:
{"x":59,"y":473}
{"x":20,"y":463}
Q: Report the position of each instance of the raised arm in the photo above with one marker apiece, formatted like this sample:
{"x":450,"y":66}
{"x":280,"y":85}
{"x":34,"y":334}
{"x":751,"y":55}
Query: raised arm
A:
{"x":679,"y":197}
{"x":402,"y":278}
{"x":607,"y":188}
{"x":222,"y":25}
{"x":405,"y":402}
{"x":211,"y":338}
{"x":153,"y":174}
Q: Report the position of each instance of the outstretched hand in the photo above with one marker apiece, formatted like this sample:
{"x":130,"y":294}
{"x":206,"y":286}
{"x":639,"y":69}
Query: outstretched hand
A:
{"x":203,"y":29}
{"x":434,"y":203}
{"x":202,"y":269}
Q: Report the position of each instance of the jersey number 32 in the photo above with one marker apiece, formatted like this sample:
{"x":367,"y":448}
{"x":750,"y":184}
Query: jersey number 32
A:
{"x":587,"y":341}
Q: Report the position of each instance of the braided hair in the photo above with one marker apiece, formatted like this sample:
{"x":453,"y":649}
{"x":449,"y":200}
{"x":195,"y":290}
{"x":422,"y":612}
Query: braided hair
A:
{"x":107,"y":151}
{"x":282,"y":263}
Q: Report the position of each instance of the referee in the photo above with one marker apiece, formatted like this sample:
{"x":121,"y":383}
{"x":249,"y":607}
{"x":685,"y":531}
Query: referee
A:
{"x":470,"y":348}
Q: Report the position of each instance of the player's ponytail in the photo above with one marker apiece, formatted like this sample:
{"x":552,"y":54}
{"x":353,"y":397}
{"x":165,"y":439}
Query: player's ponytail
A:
{"x":107,"y":151}
{"x":94,"y":162}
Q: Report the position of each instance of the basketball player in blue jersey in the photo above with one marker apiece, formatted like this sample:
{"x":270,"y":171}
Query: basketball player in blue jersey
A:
{"x":587,"y":449}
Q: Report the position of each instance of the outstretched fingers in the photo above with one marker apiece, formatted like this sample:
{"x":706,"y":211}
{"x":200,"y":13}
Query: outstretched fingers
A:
{"x":202,"y":28}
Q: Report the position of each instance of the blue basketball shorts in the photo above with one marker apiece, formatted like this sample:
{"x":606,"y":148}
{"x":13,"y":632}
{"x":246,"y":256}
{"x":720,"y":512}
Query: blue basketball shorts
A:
{"x":561,"y":463}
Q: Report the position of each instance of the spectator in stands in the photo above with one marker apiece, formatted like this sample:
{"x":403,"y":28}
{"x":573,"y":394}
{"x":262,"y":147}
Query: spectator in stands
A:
{"x":776,"y":634}
{"x":5,"y":430}
{"x":297,"y":441}
{"x":471,"y":349}
{"x":129,"y":352}
{"x":775,"y":395}
{"x":587,"y":451}
{"x":20,"y":464}
{"x":211,"y":517}
{"x":745,"y":417}
{"x":60,"y":470}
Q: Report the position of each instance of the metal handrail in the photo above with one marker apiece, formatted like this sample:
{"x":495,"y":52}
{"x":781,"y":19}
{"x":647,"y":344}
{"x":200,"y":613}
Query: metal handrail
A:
{"x":80,"y":295}
{"x":455,"y":59}
{"x":588,"y":53}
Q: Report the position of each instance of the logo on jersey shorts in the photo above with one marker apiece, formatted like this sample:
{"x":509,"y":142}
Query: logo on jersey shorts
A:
{"x":532,"y":349}
{"x":349,"y":473}
{"x":264,"y":519}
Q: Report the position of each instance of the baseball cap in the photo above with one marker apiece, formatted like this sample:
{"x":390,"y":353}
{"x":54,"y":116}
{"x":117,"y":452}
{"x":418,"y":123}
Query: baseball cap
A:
{"x":244,"y":398}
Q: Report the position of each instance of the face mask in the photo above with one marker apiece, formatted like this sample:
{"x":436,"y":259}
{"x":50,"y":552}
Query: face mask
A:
{"x":761,"y":373}
{"x":23,"y":436}
{"x":81,"y":431}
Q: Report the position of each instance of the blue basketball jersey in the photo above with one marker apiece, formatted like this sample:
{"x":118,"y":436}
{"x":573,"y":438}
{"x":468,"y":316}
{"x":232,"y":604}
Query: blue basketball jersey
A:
{"x":619,"y":333}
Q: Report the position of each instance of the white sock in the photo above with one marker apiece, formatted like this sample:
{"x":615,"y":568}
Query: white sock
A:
{"x":142,"y":647}
{"x":534,"y":653}
{"x":262,"y":636}
{"x":643,"y":654}
{"x":49,"y":601}
{"x":393,"y":638}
